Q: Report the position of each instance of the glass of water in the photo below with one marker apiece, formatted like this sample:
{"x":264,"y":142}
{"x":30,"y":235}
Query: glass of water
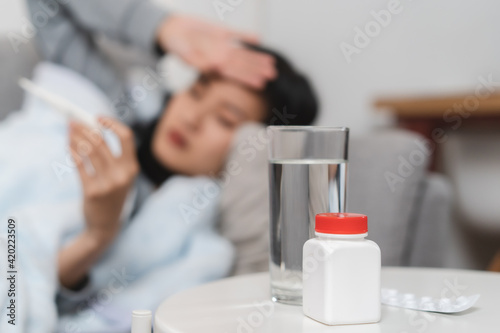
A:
{"x":307,"y":176}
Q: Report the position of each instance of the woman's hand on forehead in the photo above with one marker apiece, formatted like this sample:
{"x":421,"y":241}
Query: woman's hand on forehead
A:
{"x":212,"y":48}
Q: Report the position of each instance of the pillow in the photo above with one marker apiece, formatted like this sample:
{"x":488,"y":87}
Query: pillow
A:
{"x":244,"y":205}
{"x":71,"y":86}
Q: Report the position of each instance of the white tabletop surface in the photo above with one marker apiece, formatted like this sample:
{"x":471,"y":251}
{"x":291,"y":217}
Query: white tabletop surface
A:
{"x":242,"y":305}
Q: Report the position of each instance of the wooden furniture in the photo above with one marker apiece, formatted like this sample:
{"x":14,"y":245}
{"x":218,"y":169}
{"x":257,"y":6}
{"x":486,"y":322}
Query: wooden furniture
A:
{"x":434,"y":116}
{"x":495,"y":263}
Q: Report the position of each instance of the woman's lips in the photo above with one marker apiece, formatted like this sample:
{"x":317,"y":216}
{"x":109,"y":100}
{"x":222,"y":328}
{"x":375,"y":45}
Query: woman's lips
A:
{"x":177,"y":139}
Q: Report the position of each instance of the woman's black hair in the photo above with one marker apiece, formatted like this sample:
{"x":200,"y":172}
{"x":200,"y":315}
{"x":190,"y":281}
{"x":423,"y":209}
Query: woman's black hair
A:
{"x":289,"y":98}
{"x":149,"y":165}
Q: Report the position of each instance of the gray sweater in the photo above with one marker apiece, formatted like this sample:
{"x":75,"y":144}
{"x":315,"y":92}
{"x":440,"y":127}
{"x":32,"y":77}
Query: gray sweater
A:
{"x":69,"y":37}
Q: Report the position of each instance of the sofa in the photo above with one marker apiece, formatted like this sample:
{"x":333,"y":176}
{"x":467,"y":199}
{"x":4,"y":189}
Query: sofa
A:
{"x":409,"y":208}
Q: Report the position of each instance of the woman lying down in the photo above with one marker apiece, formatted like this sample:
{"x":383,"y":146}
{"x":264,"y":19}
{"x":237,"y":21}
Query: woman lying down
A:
{"x":80,"y":238}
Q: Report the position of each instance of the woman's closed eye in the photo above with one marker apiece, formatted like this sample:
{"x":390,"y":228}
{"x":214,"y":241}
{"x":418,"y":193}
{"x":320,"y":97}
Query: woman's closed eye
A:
{"x":227,"y":120}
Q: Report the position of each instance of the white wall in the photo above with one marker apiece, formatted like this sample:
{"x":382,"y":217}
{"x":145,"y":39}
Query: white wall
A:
{"x":430,"y":47}
{"x":11,"y":12}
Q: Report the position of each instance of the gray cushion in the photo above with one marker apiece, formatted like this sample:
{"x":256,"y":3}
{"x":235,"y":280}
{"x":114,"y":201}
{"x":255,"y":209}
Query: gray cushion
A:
{"x":429,"y":234}
{"x":13,"y":65}
{"x":384,"y":185}
{"x":244,"y":206}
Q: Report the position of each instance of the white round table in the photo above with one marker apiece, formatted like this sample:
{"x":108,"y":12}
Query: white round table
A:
{"x":242,"y":305}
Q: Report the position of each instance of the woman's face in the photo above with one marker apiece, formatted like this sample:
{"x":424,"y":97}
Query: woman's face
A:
{"x":194,"y":134}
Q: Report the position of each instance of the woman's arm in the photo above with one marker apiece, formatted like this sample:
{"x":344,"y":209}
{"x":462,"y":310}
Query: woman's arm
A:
{"x":76,"y":259}
{"x":67,"y":36}
{"x":60,"y":40}
{"x":133,"y":22}
{"x":105,"y":190}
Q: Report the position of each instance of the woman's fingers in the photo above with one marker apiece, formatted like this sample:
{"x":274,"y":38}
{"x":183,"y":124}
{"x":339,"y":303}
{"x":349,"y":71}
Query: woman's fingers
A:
{"x":249,"y":67}
{"x":86,"y":145}
{"x":123,"y":132}
{"x":210,"y":47}
{"x":244,"y":65}
{"x":84,"y":176}
{"x":96,"y":138}
{"x":127,"y":166}
{"x":244,"y":37}
{"x":262,"y":63}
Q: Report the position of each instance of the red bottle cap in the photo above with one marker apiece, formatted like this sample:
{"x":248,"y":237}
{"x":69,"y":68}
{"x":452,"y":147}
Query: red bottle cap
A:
{"x":341,"y":223}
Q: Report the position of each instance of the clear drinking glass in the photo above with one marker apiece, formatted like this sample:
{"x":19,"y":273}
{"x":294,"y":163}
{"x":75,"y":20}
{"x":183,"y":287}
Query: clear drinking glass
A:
{"x":307,"y":176}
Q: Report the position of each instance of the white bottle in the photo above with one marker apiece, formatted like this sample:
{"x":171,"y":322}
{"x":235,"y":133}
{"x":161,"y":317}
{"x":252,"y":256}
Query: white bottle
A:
{"x":341,"y":271}
{"x":141,"y":321}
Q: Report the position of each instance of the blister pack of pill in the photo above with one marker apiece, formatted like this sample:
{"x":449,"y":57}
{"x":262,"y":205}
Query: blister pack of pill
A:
{"x":393,"y":297}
